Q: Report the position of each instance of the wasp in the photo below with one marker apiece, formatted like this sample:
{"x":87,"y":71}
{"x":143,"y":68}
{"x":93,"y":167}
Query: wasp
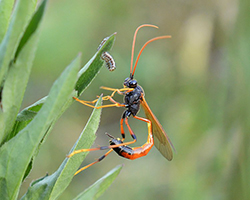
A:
{"x":134,"y":98}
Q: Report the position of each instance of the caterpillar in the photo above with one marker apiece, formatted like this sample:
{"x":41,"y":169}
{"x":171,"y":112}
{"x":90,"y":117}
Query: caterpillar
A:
{"x":109,"y":60}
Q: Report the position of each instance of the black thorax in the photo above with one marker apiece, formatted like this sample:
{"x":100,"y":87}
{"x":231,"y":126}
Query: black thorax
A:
{"x":132,"y":99}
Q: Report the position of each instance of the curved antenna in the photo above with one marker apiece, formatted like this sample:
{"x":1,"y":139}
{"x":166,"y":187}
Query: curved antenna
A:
{"x":153,"y":39}
{"x":133,"y":45}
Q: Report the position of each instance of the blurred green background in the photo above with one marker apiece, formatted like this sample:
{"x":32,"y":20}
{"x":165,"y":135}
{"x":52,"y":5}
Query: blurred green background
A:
{"x":196,"y":83}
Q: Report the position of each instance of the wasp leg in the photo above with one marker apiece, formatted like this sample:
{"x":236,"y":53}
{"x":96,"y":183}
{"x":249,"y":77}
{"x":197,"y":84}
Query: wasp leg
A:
{"x":108,"y":97}
{"x":136,"y":152}
{"x":121,"y":91}
{"x":124,"y":150}
{"x":116,"y":104}
{"x":110,"y":146}
{"x":89,"y":165}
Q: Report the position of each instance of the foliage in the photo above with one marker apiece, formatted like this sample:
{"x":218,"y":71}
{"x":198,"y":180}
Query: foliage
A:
{"x":23,"y":134}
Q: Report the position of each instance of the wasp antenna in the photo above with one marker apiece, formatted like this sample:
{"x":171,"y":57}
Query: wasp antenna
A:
{"x":153,"y":39}
{"x":133,"y":45}
{"x":110,"y":135}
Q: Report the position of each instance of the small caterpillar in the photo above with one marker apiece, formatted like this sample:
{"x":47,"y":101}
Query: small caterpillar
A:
{"x":109,"y":60}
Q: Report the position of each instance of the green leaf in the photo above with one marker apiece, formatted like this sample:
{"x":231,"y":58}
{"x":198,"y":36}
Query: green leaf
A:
{"x":18,"y":74}
{"x":90,"y":70}
{"x":6,"y":7}
{"x":19,"y":20}
{"x":98,"y":188}
{"x":85,"y":76}
{"x":52,"y":186}
{"x":26,"y":116}
{"x":31,"y":126}
{"x":16,"y":154}
{"x":32,"y":27}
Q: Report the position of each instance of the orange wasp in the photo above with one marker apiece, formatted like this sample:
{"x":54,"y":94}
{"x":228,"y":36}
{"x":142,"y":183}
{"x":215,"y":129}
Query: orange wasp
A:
{"x":133,"y":98}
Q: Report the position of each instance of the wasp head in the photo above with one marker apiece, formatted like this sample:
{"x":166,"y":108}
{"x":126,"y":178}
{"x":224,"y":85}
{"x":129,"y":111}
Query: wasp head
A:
{"x":130,"y":83}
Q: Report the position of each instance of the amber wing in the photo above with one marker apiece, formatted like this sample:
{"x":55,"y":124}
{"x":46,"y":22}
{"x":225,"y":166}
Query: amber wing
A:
{"x":161,"y":140}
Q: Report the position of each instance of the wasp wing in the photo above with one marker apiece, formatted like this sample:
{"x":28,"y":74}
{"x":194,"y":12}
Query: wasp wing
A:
{"x":161,"y":140}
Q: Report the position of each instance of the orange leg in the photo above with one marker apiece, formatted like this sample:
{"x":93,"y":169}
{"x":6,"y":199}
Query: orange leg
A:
{"x":98,"y":160}
{"x":122,"y":144}
{"x":131,"y":153}
{"x":100,"y":148}
{"x":121,"y":91}
{"x":137,"y":152}
{"x":110,"y":146}
{"x":116,"y":104}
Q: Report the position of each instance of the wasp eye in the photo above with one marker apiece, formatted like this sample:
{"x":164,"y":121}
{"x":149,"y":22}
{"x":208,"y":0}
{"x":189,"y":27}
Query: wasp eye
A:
{"x":126,"y":82}
{"x":132,"y":83}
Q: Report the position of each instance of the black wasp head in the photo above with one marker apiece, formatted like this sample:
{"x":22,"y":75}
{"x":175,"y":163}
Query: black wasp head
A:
{"x":130,"y":83}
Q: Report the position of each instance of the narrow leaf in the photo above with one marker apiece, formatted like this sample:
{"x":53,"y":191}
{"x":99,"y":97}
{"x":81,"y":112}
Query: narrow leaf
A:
{"x":18,"y":75}
{"x":32,"y":27}
{"x":6,"y":7}
{"x":26,"y":116}
{"x":85,"y":77}
{"x":50,"y":187}
{"x":19,"y":20}
{"x":90,"y":70}
{"x":16,"y":154}
{"x":99,"y":187}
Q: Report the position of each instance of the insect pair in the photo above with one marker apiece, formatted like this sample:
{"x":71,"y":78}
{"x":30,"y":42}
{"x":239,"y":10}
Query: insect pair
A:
{"x":133,"y":98}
